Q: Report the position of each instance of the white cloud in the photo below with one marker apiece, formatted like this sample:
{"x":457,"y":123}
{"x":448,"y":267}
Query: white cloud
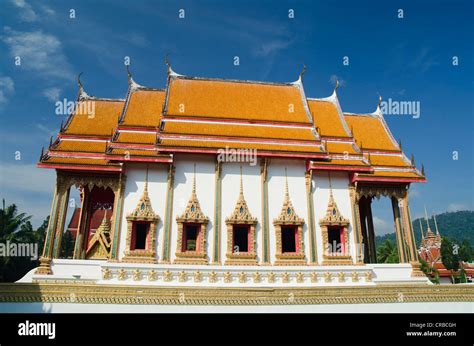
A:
{"x":457,"y":207}
{"x":40,"y":53}
{"x":27,"y":14}
{"x":6,"y":89}
{"x":46,"y":129}
{"x":272,"y":47}
{"x":26,"y":177}
{"x":136,"y":39}
{"x":52,"y":94}
{"x":381,"y":226}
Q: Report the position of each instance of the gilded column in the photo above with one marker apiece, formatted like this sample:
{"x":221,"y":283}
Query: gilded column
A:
{"x":82,"y":222}
{"x":409,"y":236}
{"x":45,"y":260}
{"x":117,"y":217}
{"x":216,"y":253}
{"x":399,"y":230}
{"x":311,"y":225}
{"x":265,"y":222}
{"x":168,"y":220}
{"x":62,"y":211}
{"x":371,"y":231}
{"x":356,"y":225}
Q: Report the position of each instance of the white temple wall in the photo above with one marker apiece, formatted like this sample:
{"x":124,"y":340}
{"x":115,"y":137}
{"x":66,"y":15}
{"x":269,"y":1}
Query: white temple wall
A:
{"x":276,"y":193}
{"x":205,"y":190}
{"x":134,"y":186}
{"x":340,"y":190}
{"x":230,"y":193}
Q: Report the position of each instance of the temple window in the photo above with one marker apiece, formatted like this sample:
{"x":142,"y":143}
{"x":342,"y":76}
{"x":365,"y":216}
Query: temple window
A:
{"x":334,"y":229}
{"x":241,"y":238}
{"x":140,"y":235}
{"x":335,"y":240}
{"x":190,"y":235}
{"x":289,"y":234}
{"x":141,"y":231}
{"x":192,"y":225}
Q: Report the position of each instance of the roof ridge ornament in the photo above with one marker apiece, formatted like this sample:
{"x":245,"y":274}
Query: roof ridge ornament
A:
{"x":133,"y":85}
{"x":82,"y":95}
{"x":303,"y":70}
{"x":429,"y":232}
{"x":378,"y":110}
{"x":170,"y":70}
{"x":436,"y":226}
{"x":336,"y":86}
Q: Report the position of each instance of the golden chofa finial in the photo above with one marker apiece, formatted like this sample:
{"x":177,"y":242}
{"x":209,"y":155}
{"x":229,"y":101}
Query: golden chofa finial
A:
{"x":380,"y":102}
{"x":303,"y":71}
{"x":82,"y":94}
{"x":129,"y":74}
{"x":167,"y":62}
{"x":79,"y":83}
{"x":336,"y":86}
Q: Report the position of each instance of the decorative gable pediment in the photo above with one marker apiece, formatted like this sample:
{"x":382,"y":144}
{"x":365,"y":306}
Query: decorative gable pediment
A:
{"x":144,"y":210}
{"x":333,"y":215}
{"x":287,"y":214}
{"x":99,"y":247}
{"x":193,"y":212}
{"x":241,"y":213}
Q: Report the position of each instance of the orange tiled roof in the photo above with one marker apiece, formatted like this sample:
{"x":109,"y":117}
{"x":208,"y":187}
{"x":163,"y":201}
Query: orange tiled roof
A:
{"x":387,"y":160}
{"x":144,"y":108}
{"x":327,"y":119}
{"x":206,"y":114}
{"x":369,"y":132}
{"x":393,"y":175}
{"x":101,"y":122}
{"x":233,"y":129}
{"x":81,"y":146}
{"x":236,"y":100}
{"x":310,"y":149}
{"x":341,"y":148}
{"x":136,"y":137}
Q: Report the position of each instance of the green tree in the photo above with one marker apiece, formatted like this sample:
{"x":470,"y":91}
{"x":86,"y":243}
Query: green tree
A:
{"x":16,"y":227}
{"x":387,"y":252}
{"x":451,"y":256}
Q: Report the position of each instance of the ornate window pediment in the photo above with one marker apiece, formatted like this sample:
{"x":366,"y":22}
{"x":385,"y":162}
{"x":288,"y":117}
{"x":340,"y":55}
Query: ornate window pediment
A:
{"x":192,"y":225}
{"x":334,"y":229}
{"x":289,"y":234}
{"x":241,"y":233}
{"x":99,"y":245}
{"x":141,"y":231}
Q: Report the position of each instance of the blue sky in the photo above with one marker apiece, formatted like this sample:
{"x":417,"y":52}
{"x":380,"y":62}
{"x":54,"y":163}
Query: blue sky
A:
{"x":406,"y":59}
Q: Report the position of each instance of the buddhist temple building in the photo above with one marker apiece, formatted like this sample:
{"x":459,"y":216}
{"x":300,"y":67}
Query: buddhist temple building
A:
{"x":209,"y":183}
{"x":430,"y":252}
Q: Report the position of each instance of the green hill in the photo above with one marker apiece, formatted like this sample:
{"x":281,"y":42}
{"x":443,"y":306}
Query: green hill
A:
{"x":457,"y":225}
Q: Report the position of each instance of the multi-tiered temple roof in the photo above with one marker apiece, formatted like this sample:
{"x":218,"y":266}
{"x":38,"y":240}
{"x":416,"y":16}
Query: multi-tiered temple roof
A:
{"x":204,"y":115}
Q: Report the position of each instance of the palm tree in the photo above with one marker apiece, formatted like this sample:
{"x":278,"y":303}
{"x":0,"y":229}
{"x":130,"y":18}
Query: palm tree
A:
{"x":14,"y":227}
{"x":387,"y":252}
